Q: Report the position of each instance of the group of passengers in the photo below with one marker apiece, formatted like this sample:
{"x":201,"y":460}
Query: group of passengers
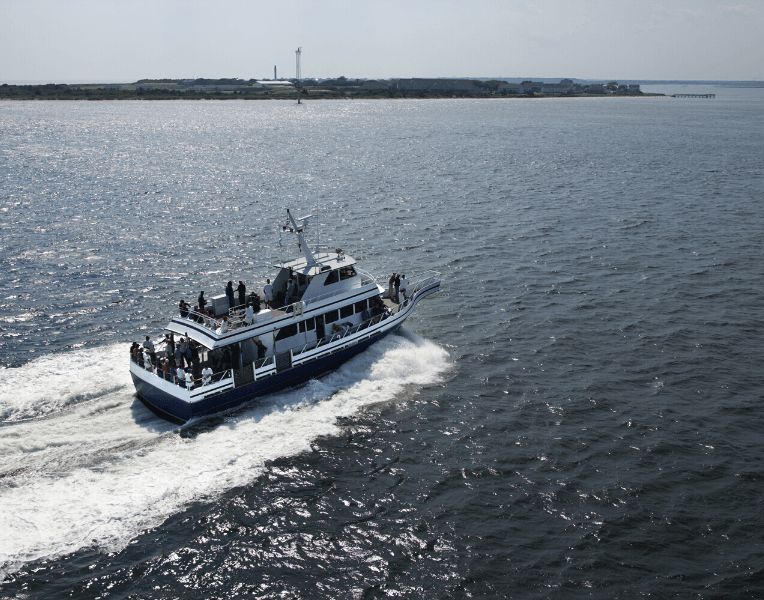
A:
{"x":180,"y":364}
{"x":396,"y":286}
{"x":249,"y":306}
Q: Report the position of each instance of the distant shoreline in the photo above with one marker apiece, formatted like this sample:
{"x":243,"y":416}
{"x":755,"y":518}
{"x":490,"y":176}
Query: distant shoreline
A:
{"x":53,"y":92}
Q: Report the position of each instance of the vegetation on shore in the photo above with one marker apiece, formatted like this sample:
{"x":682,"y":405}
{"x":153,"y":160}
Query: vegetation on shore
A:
{"x":166,"y":89}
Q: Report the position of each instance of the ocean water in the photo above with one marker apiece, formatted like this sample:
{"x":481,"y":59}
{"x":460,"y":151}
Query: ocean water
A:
{"x":577,"y":413}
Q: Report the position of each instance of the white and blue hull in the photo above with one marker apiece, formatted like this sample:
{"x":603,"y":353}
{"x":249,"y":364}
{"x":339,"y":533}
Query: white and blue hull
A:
{"x":206,"y":400}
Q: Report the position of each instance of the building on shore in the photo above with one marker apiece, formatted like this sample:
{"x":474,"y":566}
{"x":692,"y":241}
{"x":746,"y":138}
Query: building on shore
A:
{"x":510,"y":88}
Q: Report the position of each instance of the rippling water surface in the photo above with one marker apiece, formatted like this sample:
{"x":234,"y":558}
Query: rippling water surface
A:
{"x":576,"y":414}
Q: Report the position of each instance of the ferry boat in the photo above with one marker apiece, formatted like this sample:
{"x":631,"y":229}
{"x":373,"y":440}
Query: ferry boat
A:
{"x":333,"y":311}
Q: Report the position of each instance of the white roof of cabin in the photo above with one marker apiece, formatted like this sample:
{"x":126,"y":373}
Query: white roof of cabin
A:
{"x":332,"y":260}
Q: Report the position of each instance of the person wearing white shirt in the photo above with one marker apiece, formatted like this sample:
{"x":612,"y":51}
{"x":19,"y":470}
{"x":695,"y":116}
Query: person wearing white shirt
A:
{"x":206,"y":375}
{"x":223,"y":326}
{"x":268,"y":291}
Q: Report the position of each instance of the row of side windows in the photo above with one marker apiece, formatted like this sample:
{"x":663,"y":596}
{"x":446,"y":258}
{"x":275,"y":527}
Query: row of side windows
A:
{"x":329,"y":317}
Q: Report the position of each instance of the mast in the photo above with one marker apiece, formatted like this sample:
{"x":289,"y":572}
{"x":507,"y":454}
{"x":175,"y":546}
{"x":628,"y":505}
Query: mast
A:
{"x":300,"y":237}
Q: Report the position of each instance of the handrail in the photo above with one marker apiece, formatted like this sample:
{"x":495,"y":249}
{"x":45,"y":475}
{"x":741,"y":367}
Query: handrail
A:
{"x":204,"y":320}
{"x":346,"y":331}
{"x":429,"y":274}
{"x":263,"y":362}
{"x":369,"y":277}
{"x":236,"y":314}
{"x":222,"y":375}
{"x":214,"y":378}
{"x":423,"y":279}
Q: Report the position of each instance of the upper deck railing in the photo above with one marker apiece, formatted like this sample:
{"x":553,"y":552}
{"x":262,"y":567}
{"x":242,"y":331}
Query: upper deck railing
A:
{"x":235,"y":319}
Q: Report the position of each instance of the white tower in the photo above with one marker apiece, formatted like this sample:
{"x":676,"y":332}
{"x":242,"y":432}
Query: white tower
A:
{"x":298,"y":73}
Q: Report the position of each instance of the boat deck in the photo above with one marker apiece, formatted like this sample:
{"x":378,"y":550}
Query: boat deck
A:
{"x":389,"y":303}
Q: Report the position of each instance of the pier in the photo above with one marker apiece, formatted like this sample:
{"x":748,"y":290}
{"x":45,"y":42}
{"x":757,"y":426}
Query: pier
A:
{"x":694,"y":96}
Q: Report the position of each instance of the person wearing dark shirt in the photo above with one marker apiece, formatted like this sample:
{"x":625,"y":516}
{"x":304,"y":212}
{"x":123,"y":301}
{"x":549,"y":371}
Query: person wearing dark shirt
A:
{"x":261,"y":349}
{"x":242,"y":289}
{"x":229,"y":293}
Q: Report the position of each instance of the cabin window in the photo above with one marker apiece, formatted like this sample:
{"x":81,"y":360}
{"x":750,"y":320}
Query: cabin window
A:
{"x":360,"y":306}
{"x":307,"y":325}
{"x":331,"y":316}
{"x":332,"y":277}
{"x":346,"y":311}
{"x":347,"y":273}
{"x":286,"y":332}
{"x":221,"y":359}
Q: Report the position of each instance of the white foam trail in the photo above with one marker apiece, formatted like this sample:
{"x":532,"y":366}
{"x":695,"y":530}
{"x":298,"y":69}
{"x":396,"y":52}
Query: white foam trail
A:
{"x":50,"y":383}
{"x":105,"y":470}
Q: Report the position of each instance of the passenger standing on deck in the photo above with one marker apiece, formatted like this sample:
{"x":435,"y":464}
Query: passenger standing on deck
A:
{"x":180,"y":375}
{"x":169,"y":345}
{"x":201,"y":301}
{"x":206,"y":375}
{"x":289,"y":290}
{"x":391,"y":283}
{"x":268,"y":291}
{"x":261,"y":349}
{"x":229,"y":293}
{"x":149,"y":345}
{"x":180,"y":355}
{"x":397,"y":284}
{"x":195,"y":357}
{"x":249,"y":315}
{"x":183,"y":308}
{"x":404,"y":283}
{"x":189,"y":380}
{"x":147,"y":364}
{"x":242,"y":289}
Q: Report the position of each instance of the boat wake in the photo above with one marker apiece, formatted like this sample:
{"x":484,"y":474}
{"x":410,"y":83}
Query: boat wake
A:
{"x":84,"y":463}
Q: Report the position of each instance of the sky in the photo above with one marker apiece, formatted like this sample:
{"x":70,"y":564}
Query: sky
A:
{"x":100,"y":41}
